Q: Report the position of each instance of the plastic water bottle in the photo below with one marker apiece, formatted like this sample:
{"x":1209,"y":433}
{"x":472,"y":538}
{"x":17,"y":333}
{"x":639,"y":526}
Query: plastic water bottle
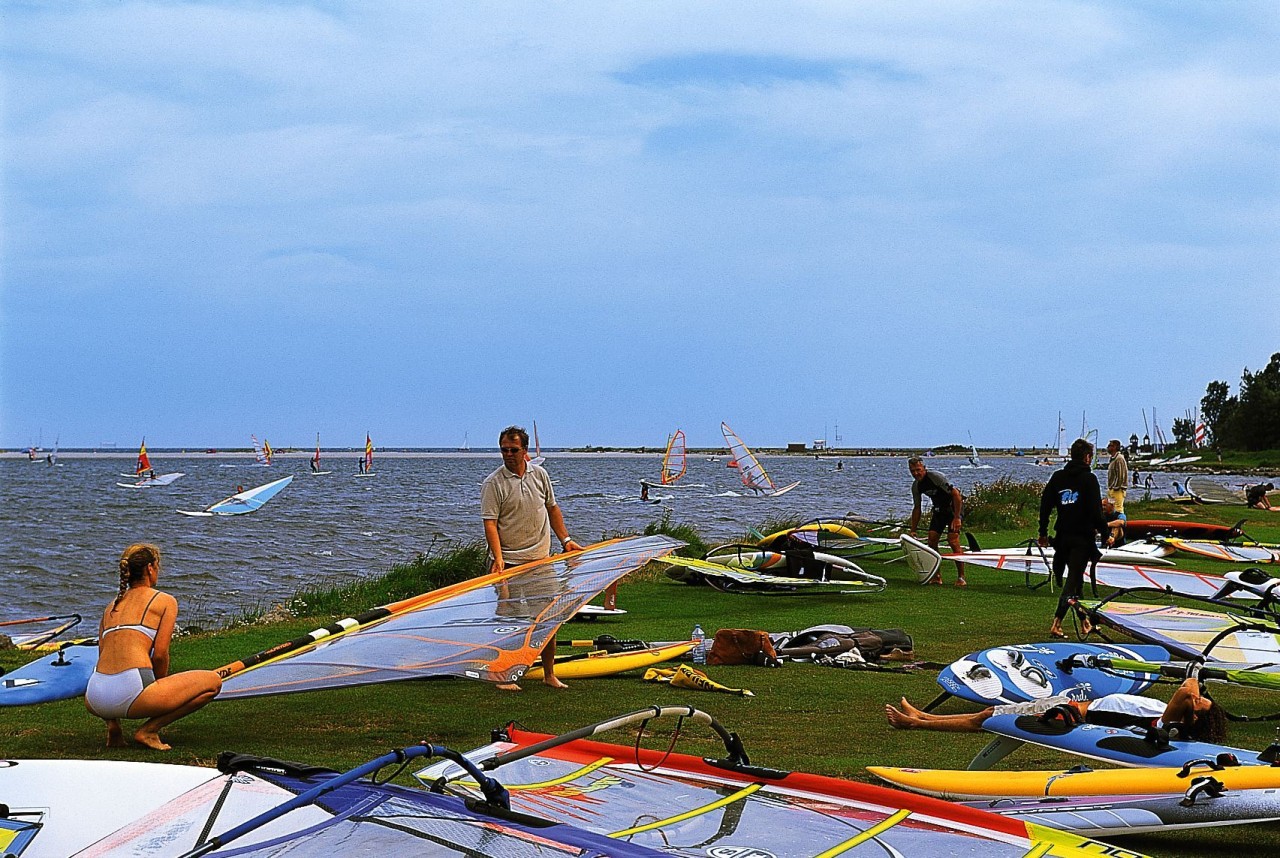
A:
{"x":699,"y":645}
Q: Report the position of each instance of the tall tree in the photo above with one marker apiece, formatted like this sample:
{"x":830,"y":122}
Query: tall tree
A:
{"x":1257,"y":418}
{"x":1217,"y":408}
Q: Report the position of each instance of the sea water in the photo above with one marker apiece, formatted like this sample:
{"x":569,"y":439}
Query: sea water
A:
{"x":62,"y":528}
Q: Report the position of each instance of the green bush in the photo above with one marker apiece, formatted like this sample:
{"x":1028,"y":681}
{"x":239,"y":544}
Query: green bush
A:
{"x":1005,"y":504}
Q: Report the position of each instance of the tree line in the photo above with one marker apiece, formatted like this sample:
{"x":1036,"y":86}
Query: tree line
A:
{"x":1250,"y":420}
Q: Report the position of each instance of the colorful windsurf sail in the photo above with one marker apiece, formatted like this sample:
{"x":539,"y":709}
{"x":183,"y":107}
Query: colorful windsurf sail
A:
{"x":368,"y":454}
{"x":682,"y":805}
{"x":1193,"y":633}
{"x":1247,"y":552}
{"x":674,"y":460}
{"x":144,"y":461}
{"x":754,"y":477}
{"x":490,"y":628}
{"x":315,"y":460}
{"x":253,"y":806}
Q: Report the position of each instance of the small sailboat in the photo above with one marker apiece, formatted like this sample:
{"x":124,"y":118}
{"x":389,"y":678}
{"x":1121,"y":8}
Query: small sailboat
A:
{"x":315,"y":461}
{"x":466,"y":447}
{"x":366,"y":464}
{"x":243,"y":502}
{"x":974,"y":461}
{"x":755,"y":479}
{"x":537,"y":458}
{"x":261,"y":451}
{"x":674,"y":465}
{"x":52,"y":458}
{"x":143,"y":465}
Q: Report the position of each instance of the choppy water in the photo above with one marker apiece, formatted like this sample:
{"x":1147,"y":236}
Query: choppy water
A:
{"x":62,"y":528}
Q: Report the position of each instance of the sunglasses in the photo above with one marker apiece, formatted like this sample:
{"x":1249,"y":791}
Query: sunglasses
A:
{"x":510,"y":450}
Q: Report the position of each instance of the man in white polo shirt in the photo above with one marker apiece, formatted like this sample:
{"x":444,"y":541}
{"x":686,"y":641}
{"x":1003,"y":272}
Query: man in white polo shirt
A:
{"x":520,"y":514}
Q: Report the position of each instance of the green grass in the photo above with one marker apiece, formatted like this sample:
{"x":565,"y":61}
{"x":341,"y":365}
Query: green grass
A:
{"x":817,"y":719}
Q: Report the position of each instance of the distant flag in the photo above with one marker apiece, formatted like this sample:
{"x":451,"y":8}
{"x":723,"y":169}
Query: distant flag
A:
{"x":1201,"y":433}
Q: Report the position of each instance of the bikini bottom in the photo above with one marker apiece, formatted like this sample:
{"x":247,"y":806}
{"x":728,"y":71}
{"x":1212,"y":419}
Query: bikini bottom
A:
{"x":110,"y":695}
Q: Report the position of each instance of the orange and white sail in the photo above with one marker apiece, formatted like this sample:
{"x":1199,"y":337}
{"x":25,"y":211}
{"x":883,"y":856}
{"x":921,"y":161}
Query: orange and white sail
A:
{"x":368,"y":454}
{"x":144,"y":461}
{"x":315,"y":460}
{"x":753,"y":474}
{"x":675,"y":459}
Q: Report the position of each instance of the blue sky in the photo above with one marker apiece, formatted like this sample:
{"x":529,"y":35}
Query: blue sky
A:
{"x":425,"y":220}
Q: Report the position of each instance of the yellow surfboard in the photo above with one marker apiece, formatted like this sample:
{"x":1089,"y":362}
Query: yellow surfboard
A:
{"x":597,"y":663}
{"x":963,"y":785}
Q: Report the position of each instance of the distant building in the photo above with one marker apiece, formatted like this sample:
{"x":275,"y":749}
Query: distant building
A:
{"x":820,"y":444}
{"x":796,"y":447}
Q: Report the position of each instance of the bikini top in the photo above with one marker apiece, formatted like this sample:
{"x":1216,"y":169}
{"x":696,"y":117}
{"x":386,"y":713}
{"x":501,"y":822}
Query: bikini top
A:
{"x":137,"y":627}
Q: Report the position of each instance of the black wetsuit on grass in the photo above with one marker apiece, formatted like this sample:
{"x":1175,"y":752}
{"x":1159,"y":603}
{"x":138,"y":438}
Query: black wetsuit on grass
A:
{"x":1074,"y":493}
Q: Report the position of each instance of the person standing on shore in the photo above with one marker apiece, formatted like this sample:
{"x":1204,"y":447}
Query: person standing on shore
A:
{"x":1073,"y":492}
{"x":519,"y":510}
{"x":132,"y":679}
{"x":947,"y":506}
{"x":1117,"y":475}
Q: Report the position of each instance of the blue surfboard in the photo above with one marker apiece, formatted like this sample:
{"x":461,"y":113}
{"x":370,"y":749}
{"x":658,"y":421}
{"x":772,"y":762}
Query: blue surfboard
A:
{"x":1024,"y":672}
{"x":57,"y":676}
{"x":1124,"y":746}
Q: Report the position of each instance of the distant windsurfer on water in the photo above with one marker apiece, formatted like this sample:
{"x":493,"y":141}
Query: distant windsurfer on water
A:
{"x":947,"y":505}
{"x":519,"y":510}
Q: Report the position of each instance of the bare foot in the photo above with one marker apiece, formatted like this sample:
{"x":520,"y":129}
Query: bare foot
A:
{"x":554,"y":682}
{"x":897,"y":719}
{"x":509,"y":686}
{"x":909,"y":709}
{"x":151,"y":740}
{"x":115,"y":735}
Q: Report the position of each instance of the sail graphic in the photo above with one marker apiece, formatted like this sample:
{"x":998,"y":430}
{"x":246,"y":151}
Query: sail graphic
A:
{"x":144,"y":461}
{"x":674,"y":461}
{"x":490,"y":628}
{"x":754,"y":477}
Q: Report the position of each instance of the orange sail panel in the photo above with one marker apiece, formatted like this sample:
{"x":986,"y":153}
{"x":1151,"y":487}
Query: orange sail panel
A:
{"x":144,"y":462}
{"x":491,"y":628}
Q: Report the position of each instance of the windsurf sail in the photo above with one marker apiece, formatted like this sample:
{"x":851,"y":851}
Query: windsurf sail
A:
{"x":144,"y":461}
{"x":754,"y":477}
{"x":261,"y":451}
{"x":1206,"y":490}
{"x":315,"y":460}
{"x":246,"y":501}
{"x":1193,"y":633}
{"x":537,"y":458}
{"x":254,"y":806}
{"x":674,"y":460}
{"x":32,"y":640}
{"x":1240,"y":675}
{"x":490,"y":628}
{"x":368,"y":454}
{"x":683,"y":805}
{"x":1249,"y":552}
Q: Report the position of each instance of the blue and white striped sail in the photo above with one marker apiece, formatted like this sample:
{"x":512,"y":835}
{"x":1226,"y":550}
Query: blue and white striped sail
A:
{"x":247,"y":501}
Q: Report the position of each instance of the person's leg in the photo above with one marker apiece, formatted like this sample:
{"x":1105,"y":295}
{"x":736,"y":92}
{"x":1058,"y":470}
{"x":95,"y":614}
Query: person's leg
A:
{"x":911,"y":718}
{"x":932,"y":541}
{"x":953,"y":539}
{"x":166,"y":700}
{"x":549,"y":666}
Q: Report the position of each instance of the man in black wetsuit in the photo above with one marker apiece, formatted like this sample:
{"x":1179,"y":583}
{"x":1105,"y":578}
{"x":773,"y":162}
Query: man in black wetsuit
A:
{"x":1075,"y":494}
{"x":947,"y":505}
{"x":1256,"y":496}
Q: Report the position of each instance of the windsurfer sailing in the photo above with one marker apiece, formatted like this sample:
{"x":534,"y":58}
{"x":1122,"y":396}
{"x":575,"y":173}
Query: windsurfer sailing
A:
{"x":519,"y":510}
{"x":947,"y":505}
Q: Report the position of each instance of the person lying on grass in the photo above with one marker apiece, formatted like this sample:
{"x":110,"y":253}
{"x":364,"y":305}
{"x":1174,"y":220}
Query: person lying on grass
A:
{"x":1189,"y":712}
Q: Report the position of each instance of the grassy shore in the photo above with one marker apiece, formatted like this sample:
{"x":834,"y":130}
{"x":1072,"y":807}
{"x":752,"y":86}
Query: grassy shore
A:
{"x":803,"y":717}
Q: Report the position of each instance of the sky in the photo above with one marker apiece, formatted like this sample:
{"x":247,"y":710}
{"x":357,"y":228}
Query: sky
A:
{"x":907,"y":223}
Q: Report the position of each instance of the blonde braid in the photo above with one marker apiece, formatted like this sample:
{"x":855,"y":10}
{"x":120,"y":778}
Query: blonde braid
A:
{"x":133,"y":565}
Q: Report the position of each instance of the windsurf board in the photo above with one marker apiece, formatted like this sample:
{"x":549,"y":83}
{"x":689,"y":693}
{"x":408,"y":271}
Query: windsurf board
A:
{"x":57,"y":676}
